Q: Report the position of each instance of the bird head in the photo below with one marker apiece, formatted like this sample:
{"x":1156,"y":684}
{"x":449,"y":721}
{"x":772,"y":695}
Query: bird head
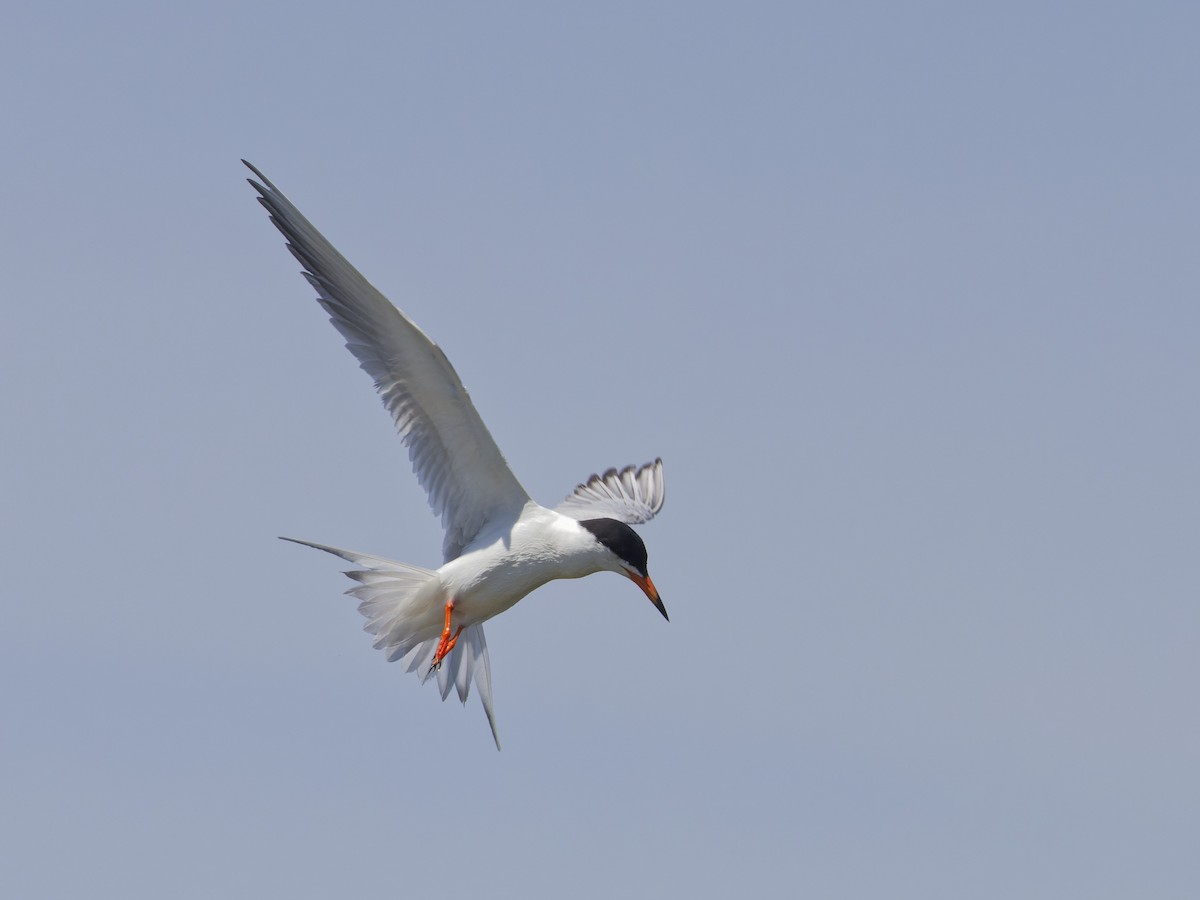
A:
{"x":627,"y":555}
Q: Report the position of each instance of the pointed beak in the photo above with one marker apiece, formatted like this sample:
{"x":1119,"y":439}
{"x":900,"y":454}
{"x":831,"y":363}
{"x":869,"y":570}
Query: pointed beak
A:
{"x":650,"y":591}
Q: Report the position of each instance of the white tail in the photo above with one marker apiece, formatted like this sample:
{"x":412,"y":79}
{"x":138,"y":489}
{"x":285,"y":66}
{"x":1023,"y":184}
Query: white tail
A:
{"x":404,"y":609}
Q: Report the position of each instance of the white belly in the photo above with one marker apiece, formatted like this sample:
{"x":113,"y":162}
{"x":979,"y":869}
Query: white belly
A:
{"x":499,"y":569}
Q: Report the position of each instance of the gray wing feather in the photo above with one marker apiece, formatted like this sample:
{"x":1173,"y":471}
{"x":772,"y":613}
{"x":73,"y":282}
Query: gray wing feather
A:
{"x":453,"y":454}
{"x":631,"y":495}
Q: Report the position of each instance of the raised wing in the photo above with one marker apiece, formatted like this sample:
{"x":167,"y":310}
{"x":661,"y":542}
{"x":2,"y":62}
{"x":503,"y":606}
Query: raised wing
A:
{"x":630,"y":495}
{"x":453,"y":454}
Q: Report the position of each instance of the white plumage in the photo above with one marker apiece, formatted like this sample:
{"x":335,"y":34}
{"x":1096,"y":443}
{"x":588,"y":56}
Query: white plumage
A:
{"x":499,"y":544}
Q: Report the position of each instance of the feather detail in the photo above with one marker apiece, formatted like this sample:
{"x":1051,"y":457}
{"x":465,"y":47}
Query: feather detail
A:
{"x":403,"y":607}
{"x":454,"y":456}
{"x":630,"y":495}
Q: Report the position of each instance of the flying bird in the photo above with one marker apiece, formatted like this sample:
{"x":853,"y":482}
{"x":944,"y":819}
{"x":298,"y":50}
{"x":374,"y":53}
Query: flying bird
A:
{"x":499,"y":544}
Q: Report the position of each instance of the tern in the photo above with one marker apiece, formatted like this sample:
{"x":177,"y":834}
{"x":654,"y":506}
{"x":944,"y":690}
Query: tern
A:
{"x":499,"y":544}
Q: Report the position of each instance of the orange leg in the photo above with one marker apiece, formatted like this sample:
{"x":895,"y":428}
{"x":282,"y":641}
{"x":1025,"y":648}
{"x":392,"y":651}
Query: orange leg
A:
{"x":446,"y":644}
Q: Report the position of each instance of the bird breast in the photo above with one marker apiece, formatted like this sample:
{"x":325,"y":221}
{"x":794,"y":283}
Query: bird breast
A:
{"x":502,"y":567}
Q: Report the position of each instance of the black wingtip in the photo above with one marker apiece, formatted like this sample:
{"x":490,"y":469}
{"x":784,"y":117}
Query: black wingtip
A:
{"x":265,"y":180}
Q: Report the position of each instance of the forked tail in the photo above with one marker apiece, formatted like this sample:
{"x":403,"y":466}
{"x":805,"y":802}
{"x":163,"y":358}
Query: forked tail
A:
{"x":403,"y":608}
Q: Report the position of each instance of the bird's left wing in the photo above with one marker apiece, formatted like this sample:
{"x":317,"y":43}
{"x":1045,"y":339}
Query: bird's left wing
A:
{"x":453,"y":454}
{"x":631,"y":495}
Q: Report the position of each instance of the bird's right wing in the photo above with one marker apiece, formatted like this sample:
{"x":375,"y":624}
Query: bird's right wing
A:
{"x":453,"y":454}
{"x":631,"y":495}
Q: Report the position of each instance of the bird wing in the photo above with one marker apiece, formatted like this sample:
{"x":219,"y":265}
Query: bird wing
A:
{"x":454,"y":456}
{"x":631,"y":495}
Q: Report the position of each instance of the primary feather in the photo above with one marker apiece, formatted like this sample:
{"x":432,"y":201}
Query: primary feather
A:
{"x":630,"y":495}
{"x":453,"y":454}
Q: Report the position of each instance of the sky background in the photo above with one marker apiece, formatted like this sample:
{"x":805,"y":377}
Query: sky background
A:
{"x":904,"y":294}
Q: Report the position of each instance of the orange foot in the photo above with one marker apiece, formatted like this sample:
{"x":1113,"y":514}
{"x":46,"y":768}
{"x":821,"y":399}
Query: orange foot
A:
{"x":446,"y":644}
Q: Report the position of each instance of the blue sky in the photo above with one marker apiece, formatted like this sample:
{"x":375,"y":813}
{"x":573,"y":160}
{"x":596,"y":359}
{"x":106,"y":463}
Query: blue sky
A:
{"x":903,"y":294}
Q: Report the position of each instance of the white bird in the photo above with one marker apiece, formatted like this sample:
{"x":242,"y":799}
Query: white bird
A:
{"x":499,"y":544}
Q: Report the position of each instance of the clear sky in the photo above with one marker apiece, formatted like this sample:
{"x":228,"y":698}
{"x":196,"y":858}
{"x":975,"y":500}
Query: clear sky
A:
{"x":907,"y":297}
